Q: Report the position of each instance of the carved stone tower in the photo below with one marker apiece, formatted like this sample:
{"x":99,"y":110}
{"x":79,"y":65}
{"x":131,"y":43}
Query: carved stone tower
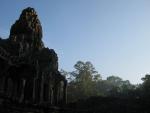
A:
{"x":29,"y":71}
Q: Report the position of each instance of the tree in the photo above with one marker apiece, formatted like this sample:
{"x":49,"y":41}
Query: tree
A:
{"x":85,"y":71}
{"x":84,"y":77}
{"x":127,"y":89}
{"x":120,"y":87}
{"x":116,"y":81}
{"x":146,"y":85}
{"x":66,"y":74}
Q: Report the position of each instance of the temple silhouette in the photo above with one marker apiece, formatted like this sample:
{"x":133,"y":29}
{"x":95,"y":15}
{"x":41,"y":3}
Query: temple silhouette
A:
{"x":28,"y":70}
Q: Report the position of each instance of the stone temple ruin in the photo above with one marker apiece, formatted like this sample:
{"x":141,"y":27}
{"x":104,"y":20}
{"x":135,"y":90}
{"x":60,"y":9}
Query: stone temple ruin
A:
{"x":29,"y":71}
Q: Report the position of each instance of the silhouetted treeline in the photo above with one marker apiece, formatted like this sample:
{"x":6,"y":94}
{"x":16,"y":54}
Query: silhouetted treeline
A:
{"x":88,"y":91}
{"x":85,"y":82}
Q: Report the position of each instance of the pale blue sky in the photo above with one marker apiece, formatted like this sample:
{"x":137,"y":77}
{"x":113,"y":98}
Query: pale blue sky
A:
{"x":113,"y":34}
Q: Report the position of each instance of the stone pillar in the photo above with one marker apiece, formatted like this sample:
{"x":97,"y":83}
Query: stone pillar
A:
{"x":41,"y":88}
{"x":51,"y":95}
{"x":34,"y":90}
{"x":37,"y":90}
{"x":49,"y":92}
{"x":65,"y":92}
{"x":46,"y":92}
{"x":28,"y":91}
{"x":59,"y":92}
{"x":3,"y":84}
{"x":10,"y":85}
{"x":55,"y":93}
{"x":14,"y":89}
{"x":22,"y":90}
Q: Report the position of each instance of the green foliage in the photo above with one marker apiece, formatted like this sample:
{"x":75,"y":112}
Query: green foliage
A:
{"x":85,"y":71}
{"x":114,"y":80}
{"x":85,"y":82}
{"x":146,"y":85}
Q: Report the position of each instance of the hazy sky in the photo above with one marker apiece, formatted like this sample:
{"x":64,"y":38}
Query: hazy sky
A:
{"x":113,"y":34}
